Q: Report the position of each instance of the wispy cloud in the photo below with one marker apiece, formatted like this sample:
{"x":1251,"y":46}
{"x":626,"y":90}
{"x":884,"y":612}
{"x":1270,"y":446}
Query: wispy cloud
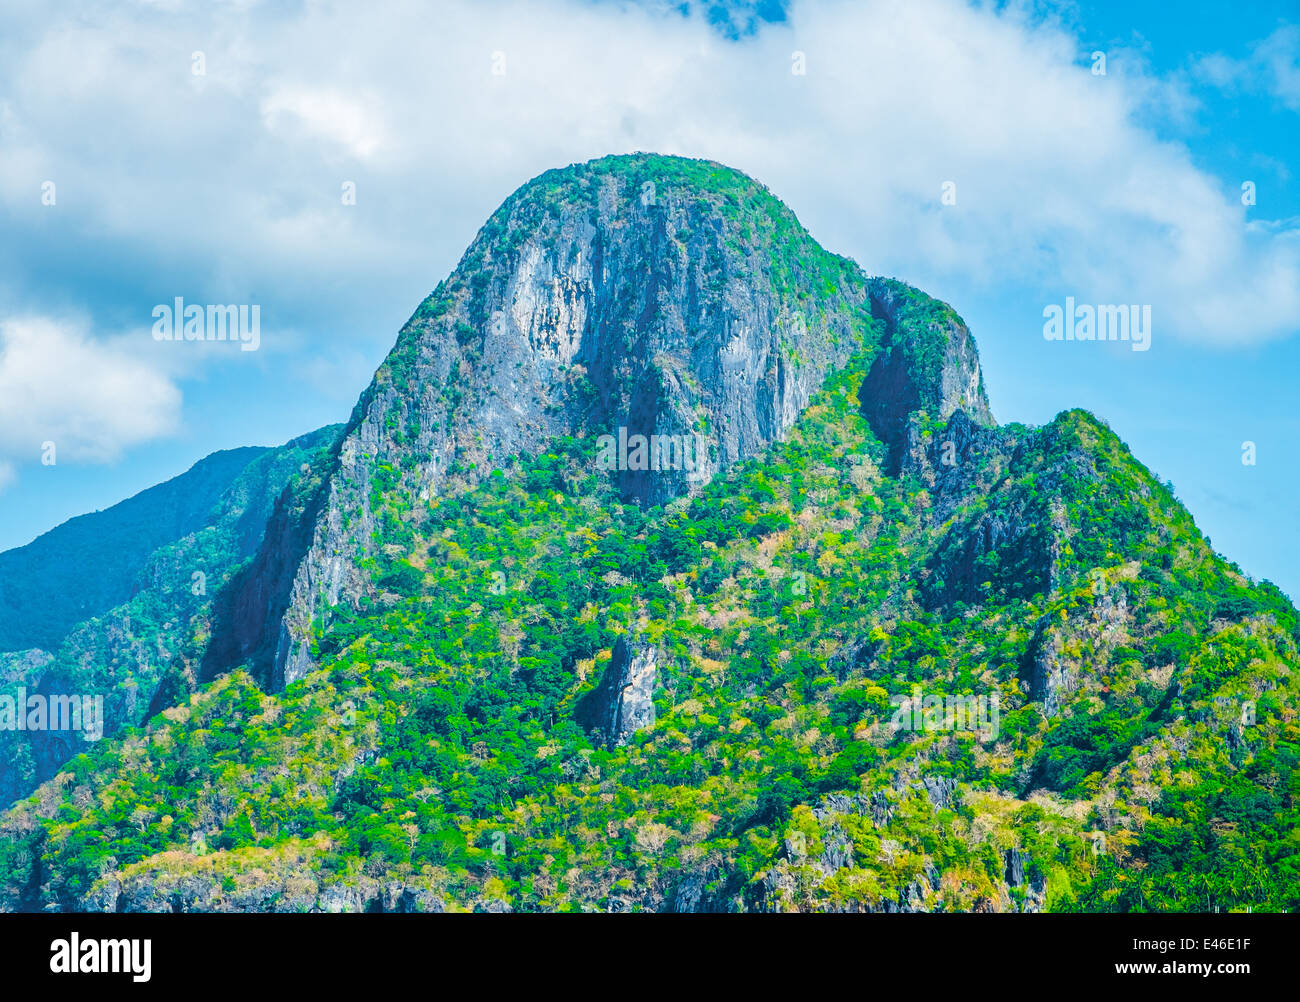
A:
{"x":1272,"y":67}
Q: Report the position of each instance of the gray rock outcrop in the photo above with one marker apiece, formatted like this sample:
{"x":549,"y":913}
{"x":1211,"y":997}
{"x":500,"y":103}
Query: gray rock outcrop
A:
{"x":623,"y":702}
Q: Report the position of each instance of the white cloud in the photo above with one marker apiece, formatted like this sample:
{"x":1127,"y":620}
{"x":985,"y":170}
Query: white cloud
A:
{"x":91,"y":399}
{"x":1273,"y":66}
{"x":352,"y":123}
{"x":227,"y":187}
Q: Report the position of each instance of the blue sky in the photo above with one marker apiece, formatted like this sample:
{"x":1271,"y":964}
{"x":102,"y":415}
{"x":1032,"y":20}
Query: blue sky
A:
{"x":224,"y":187}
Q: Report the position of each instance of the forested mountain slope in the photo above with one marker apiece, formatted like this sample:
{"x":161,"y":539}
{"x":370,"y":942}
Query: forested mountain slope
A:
{"x":873,"y":652}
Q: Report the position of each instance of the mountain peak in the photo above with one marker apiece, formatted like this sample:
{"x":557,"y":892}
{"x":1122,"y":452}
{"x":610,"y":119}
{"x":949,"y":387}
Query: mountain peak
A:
{"x":653,"y":302}
{"x":652,"y":472}
{"x":584,"y":179}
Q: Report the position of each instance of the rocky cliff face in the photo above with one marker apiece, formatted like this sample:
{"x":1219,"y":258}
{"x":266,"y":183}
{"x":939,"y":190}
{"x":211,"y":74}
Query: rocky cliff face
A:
{"x":804,"y":877}
{"x":623,"y":703}
{"x":651,"y":299}
{"x":258,"y":891}
{"x":1101,"y":626}
{"x":928,"y":366}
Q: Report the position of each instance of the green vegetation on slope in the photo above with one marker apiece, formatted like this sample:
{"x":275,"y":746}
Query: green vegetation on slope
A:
{"x":438,"y":745}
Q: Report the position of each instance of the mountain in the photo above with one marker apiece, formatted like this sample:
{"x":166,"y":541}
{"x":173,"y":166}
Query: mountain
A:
{"x":116,"y":602}
{"x":114,"y":544}
{"x":663,"y":296}
{"x":670,"y":562}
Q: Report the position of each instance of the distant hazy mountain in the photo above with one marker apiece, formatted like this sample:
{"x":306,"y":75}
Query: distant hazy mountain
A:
{"x":117,"y":601}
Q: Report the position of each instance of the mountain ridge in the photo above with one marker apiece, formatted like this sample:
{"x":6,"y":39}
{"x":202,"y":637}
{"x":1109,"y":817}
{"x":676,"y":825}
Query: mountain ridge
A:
{"x":84,"y":539}
{"x":468,"y":667}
